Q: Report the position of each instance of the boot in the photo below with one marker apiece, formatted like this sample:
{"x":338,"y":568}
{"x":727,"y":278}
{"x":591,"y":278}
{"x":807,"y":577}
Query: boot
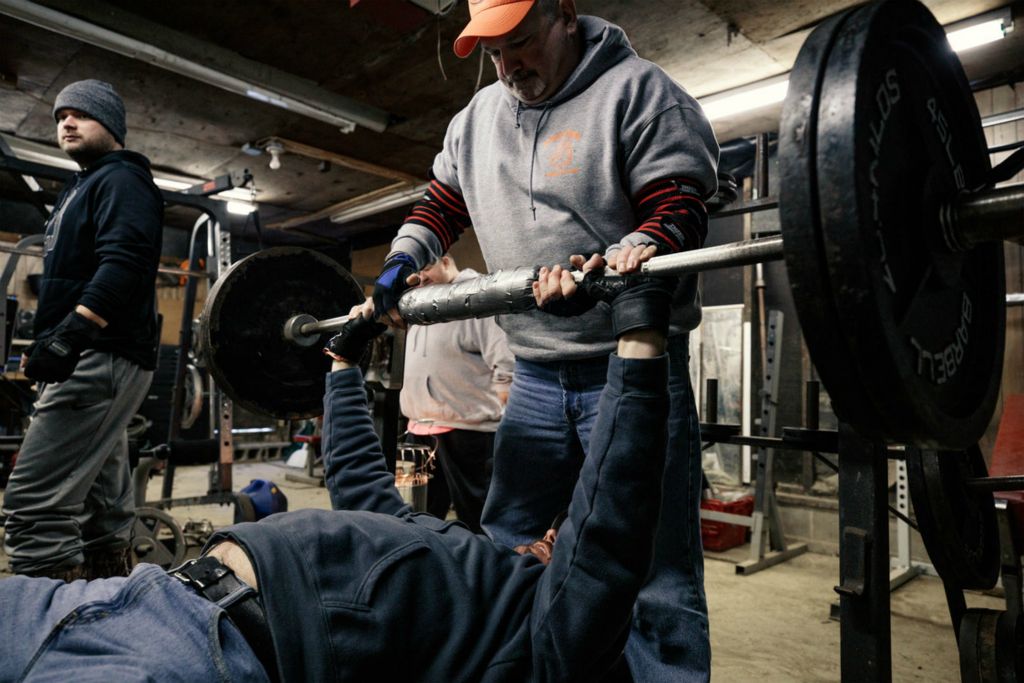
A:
{"x":65,"y":574}
{"x":104,"y":564}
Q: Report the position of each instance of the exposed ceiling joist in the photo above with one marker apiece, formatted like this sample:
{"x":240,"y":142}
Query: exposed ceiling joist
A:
{"x":274,"y":87}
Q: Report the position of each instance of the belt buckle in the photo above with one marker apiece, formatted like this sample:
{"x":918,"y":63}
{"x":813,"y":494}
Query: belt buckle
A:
{"x":206,"y":571}
{"x":181,"y":574}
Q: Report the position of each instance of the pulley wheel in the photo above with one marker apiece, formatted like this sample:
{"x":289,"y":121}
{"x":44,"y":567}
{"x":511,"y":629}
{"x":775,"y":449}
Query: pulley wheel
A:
{"x":157,"y":538}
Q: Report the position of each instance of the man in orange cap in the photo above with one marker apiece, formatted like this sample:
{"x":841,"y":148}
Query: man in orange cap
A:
{"x":580,"y":147}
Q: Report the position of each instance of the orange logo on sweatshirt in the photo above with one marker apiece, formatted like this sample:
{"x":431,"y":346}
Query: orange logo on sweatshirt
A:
{"x":558,"y":150}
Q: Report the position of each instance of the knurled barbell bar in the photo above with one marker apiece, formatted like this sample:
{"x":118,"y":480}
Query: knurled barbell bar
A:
{"x":974,"y":219}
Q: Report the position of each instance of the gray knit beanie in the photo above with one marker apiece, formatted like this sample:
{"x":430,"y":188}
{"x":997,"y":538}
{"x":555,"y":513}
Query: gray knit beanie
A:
{"x":97,"y":99}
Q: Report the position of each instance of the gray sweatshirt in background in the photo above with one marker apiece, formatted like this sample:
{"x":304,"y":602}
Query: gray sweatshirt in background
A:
{"x":453,"y":370}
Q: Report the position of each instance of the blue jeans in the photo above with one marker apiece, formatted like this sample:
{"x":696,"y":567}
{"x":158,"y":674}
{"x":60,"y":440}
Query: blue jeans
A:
{"x":147,"y":626}
{"x":539,"y":448}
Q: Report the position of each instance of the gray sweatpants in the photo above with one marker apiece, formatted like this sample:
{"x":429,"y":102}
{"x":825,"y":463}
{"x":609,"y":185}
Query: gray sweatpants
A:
{"x":70,"y":491}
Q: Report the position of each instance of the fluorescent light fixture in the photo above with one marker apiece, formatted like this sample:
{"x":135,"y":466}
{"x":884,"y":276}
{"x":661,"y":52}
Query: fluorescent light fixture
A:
{"x":52,"y":156}
{"x":980,"y":30}
{"x":240,"y":208}
{"x":39,"y":153}
{"x":380,"y":204}
{"x":973,"y":36}
{"x":171,"y":185}
{"x":746,"y":98}
{"x":962,"y":35}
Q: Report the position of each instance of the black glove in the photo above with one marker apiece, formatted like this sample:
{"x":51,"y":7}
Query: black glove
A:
{"x":53,"y":358}
{"x":637,"y":301}
{"x":392,"y":282}
{"x":354,"y":338}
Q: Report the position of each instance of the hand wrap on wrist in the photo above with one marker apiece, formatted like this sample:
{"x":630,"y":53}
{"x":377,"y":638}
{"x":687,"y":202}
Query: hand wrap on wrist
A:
{"x":391,"y":282}
{"x":637,"y":301}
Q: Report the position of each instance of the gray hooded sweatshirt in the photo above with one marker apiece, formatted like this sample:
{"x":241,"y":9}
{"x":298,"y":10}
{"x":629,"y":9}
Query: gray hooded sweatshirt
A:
{"x":544,"y":182}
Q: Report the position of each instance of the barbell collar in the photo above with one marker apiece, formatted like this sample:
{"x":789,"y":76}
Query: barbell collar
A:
{"x":306,"y":326}
{"x":303,"y":328}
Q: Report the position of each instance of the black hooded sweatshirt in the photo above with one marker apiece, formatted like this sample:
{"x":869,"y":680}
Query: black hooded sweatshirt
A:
{"x":102,"y":249}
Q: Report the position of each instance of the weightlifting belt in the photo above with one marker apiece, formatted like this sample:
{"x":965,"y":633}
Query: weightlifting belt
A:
{"x":211,"y":579}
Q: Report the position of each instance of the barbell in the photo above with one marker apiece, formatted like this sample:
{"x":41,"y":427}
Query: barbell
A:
{"x":890,"y":231}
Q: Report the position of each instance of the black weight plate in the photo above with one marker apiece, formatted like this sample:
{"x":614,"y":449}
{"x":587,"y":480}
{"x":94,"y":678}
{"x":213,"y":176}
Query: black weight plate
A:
{"x":957,"y":524}
{"x":898,"y":135}
{"x":242,"y":329}
{"x":1010,"y":648}
{"x":976,"y":642}
{"x":806,"y":260}
{"x":989,"y":644}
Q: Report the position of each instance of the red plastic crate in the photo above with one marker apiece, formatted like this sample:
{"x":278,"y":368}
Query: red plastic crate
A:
{"x":718,"y":536}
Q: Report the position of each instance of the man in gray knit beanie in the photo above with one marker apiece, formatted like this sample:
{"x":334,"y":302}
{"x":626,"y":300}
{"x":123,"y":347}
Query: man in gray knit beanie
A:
{"x":69,"y":503}
{"x":98,"y":101}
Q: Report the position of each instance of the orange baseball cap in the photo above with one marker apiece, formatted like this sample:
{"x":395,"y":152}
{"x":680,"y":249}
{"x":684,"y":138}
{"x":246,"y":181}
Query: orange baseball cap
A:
{"x":489,"y":18}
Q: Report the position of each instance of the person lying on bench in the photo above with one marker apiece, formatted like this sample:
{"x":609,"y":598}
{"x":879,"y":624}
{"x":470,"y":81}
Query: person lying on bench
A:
{"x":372,"y":591}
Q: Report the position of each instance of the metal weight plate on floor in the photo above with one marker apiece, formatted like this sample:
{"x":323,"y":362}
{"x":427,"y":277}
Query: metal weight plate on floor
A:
{"x":156,"y":538}
{"x":958,"y":524}
{"x":243,"y":319}
{"x":990,"y":645}
{"x":907,"y":336}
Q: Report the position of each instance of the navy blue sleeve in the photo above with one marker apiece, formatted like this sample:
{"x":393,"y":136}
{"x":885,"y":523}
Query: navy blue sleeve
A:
{"x":354,"y":469}
{"x":128,"y":213}
{"x":584,"y":601}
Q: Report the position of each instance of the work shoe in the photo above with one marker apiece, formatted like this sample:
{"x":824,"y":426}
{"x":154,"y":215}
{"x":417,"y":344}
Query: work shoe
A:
{"x":103,"y":564}
{"x":65,"y":574}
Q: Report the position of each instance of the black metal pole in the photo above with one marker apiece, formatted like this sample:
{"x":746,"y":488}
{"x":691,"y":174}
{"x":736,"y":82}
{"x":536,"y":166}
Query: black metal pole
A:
{"x":864,"y":625}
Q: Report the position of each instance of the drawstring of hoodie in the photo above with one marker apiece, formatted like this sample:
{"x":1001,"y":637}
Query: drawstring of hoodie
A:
{"x":533,"y":153}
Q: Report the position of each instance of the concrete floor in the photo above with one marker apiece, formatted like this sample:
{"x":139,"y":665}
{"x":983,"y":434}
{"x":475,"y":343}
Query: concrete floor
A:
{"x":769,"y":627}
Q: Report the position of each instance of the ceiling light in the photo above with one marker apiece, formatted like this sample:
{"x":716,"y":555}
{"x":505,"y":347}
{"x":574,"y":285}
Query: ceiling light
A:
{"x":980,"y":30}
{"x":746,"y":98}
{"x":381,"y":204}
{"x":240,"y":208}
{"x":275,"y":149}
